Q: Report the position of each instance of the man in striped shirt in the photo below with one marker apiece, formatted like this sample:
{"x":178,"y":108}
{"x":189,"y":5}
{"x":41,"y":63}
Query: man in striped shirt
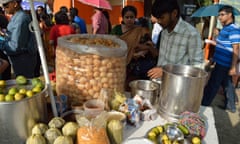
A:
{"x":226,"y":58}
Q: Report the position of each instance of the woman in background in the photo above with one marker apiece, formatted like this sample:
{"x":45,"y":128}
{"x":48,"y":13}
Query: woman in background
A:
{"x":141,"y":50}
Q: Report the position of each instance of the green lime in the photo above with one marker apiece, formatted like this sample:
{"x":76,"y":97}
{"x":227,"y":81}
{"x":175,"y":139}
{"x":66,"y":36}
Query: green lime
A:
{"x":9,"y":98}
{"x":184,"y":129}
{"x":12,"y":91}
{"x":21,"y":80}
{"x":35,"y":81}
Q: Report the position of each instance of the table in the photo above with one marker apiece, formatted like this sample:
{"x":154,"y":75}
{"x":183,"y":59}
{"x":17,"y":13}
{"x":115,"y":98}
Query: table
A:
{"x":206,"y":112}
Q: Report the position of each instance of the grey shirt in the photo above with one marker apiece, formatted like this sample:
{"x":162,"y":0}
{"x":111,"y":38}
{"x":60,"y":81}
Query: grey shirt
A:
{"x":20,"y":45}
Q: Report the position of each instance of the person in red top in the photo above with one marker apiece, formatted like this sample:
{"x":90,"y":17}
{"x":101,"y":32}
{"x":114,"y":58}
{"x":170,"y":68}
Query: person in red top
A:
{"x":61,"y":28}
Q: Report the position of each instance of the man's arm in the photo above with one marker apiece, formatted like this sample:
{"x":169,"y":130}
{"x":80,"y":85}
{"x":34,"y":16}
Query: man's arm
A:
{"x":234,"y":59}
{"x":195,"y":51}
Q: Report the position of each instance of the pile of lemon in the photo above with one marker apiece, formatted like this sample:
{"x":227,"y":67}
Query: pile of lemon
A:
{"x":24,"y":88}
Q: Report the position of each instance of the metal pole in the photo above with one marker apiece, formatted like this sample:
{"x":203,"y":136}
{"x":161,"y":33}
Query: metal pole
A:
{"x":43,"y":59}
{"x":73,"y":3}
{"x":212,"y":24}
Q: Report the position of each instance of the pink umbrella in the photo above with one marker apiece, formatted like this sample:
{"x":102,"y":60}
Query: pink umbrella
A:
{"x":103,"y":4}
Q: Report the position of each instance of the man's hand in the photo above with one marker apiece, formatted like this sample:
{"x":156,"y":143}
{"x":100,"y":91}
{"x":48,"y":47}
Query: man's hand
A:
{"x":155,"y":72}
{"x":232,"y":71}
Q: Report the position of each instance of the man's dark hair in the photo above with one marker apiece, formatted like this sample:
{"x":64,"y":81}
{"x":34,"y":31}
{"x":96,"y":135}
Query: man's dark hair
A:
{"x":63,"y":9}
{"x":228,"y":9}
{"x":74,"y":11}
{"x":160,"y":7}
{"x":61,"y":18}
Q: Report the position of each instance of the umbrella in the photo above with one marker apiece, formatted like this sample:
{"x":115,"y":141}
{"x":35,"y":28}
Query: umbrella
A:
{"x":211,"y":10}
{"x":103,"y":4}
{"x":26,"y":5}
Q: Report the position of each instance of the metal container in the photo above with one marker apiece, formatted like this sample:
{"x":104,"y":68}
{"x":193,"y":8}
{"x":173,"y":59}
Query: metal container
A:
{"x":181,"y":90}
{"x":17,"y":118}
{"x":146,"y":89}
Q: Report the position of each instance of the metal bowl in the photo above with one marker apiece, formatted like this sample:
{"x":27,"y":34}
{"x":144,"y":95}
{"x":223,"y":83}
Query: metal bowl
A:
{"x":146,"y":89}
{"x":174,"y":133}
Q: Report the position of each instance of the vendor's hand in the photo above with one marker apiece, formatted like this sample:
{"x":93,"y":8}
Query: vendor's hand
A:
{"x":232,"y":71}
{"x":155,"y":72}
{"x":212,"y":42}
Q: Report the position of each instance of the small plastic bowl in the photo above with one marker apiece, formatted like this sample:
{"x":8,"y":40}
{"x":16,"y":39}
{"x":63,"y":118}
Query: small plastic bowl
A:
{"x":93,"y":107}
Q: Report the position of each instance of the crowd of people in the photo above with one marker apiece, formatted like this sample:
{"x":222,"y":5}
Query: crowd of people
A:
{"x":171,"y":41}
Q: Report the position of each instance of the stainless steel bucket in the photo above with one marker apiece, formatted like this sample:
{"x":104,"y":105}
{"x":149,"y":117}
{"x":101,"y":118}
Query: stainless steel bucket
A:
{"x":181,"y":90}
{"x":146,"y":89}
{"x":18,"y":117}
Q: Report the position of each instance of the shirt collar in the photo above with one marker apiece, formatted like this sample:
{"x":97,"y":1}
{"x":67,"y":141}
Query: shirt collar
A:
{"x":178,"y":28}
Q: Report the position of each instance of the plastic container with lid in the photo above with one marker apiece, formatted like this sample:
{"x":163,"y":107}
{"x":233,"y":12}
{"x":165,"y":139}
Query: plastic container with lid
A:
{"x":87,"y":63}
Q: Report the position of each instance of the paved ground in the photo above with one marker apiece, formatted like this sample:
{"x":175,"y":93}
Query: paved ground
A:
{"x":227,"y":124}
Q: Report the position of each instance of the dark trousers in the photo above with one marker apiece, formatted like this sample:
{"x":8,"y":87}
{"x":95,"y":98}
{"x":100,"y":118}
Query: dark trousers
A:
{"x":220,"y":77}
{"x":25,"y":64}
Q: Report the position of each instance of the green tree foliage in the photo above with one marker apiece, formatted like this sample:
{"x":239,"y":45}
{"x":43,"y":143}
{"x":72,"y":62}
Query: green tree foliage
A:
{"x":204,"y":2}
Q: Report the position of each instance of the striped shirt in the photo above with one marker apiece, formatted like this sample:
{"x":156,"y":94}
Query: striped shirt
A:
{"x":229,"y":35}
{"x":181,"y":46}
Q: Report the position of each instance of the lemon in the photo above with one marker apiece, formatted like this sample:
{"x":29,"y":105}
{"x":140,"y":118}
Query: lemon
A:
{"x":22,"y":91}
{"x":155,"y":130}
{"x":37,"y":89}
{"x":2,"y":97}
{"x":196,"y":140}
{"x":164,"y":137}
{"x":18,"y":96}
{"x":29,"y":93}
{"x":2,"y":83}
{"x":152,"y":135}
{"x":160,"y":129}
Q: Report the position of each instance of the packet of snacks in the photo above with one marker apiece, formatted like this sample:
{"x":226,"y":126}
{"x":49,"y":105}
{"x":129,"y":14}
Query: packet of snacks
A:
{"x":92,"y":131}
{"x":133,"y":114}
